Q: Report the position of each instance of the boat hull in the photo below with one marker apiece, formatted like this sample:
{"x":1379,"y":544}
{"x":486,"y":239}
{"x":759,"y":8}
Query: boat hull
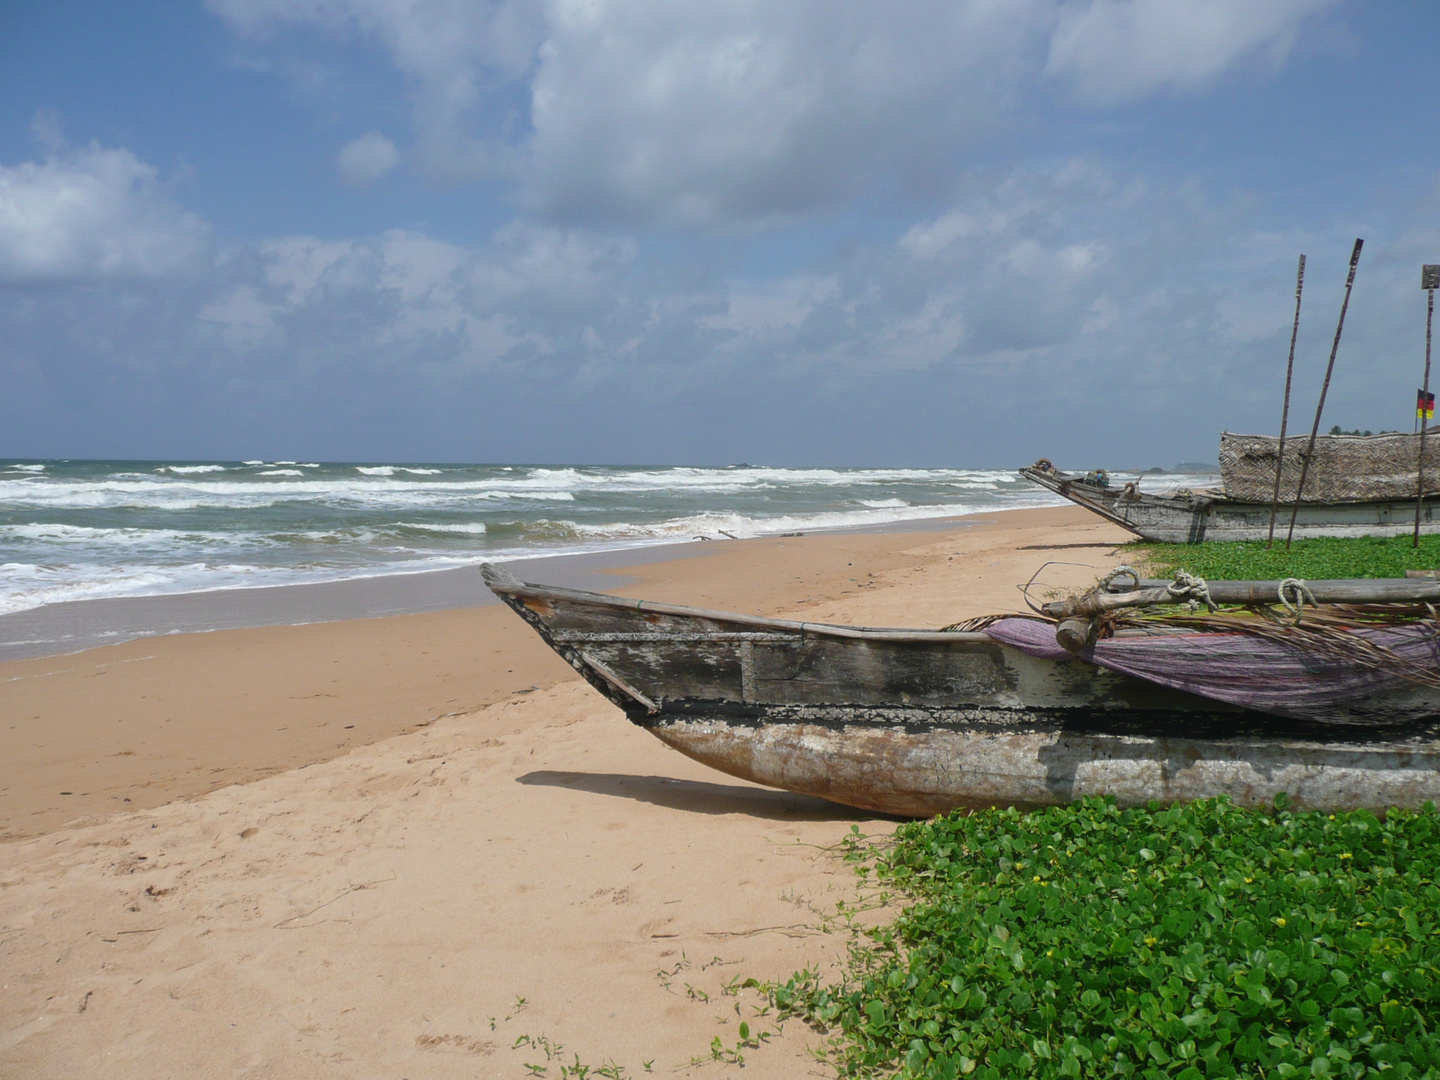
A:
{"x":1191,"y":518}
{"x":914,"y":723}
{"x":922,"y":773}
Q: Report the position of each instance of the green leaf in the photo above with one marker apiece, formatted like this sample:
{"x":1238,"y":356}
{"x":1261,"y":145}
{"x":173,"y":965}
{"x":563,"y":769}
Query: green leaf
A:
{"x":1243,"y":945}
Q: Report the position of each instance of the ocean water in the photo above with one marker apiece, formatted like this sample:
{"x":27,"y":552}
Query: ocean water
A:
{"x":72,"y":530}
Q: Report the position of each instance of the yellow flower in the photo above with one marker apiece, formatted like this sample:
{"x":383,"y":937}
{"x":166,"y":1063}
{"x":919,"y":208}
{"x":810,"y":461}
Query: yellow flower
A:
{"x":1280,"y":920}
{"x":1151,"y":940}
{"x":1346,"y":855}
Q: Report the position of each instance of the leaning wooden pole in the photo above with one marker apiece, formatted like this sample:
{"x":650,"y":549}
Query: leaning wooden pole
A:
{"x":1324,"y":389}
{"x":1429,"y":281}
{"x":1285,"y":408}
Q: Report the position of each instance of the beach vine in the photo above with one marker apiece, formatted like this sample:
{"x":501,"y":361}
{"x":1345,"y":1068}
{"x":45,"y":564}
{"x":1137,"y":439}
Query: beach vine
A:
{"x":1189,"y":942}
{"x":1318,"y":557}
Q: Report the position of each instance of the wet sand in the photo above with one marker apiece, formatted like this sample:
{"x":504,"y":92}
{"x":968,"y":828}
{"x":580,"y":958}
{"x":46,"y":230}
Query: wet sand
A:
{"x":353,"y":848}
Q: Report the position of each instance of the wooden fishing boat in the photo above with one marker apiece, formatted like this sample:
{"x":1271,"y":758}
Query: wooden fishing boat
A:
{"x":1356,"y":485}
{"x":918,"y":722}
{"x":1192,"y":516}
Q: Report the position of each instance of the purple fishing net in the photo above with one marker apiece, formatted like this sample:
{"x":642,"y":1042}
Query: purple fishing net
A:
{"x":1242,"y":669}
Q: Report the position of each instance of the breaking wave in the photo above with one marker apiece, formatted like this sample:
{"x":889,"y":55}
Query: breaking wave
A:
{"x":84,"y":529}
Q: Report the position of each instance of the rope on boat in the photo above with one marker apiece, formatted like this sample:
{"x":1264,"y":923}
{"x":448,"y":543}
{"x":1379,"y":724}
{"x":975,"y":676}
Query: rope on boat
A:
{"x":1191,"y":589}
{"x":1332,"y":633}
{"x":1119,"y":572}
{"x":1297,"y":589}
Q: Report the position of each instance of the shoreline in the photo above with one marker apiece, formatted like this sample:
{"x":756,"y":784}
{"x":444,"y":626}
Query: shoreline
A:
{"x":73,"y":626}
{"x":152,"y":719}
{"x":418,"y":845}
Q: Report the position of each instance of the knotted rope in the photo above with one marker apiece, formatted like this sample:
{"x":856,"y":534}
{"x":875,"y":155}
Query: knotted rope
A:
{"x":1295,"y":587}
{"x":1191,"y":589}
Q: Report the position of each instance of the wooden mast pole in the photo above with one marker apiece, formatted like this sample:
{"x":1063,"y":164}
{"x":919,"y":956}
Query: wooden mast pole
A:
{"x":1285,"y":408}
{"x":1324,"y":389}
{"x":1429,"y":281}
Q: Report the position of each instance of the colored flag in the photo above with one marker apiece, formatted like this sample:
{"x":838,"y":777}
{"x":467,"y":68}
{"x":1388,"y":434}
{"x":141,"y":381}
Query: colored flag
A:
{"x":1424,"y":405}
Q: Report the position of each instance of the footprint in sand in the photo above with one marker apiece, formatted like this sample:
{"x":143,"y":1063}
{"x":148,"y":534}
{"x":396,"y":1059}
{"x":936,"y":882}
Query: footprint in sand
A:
{"x":464,"y":1044}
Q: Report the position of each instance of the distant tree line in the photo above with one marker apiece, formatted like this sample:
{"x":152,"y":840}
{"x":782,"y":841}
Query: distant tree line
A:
{"x":1338,"y":430}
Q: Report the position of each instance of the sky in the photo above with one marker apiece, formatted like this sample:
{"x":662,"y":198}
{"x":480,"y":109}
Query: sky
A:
{"x":817,"y":233}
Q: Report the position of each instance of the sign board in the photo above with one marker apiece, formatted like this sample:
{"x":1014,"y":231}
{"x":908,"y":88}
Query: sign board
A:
{"x":1430,"y":276}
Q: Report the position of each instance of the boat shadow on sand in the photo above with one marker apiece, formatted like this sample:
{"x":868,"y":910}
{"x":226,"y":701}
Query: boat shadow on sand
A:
{"x":700,"y":796}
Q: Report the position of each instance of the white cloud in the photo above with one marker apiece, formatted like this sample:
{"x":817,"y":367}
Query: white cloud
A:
{"x":243,"y":318}
{"x":527,"y":263}
{"x":929,"y":239}
{"x":1121,"y":50}
{"x":708,"y":114}
{"x":368,"y":158}
{"x":367,"y":294}
{"x":92,"y":213}
{"x":738,"y":113}
{"x":765,"y":306}
{"x":455,"y":54}
{"x":688,"y":111}
{"x":1028,"y":266}
{"x":403,"y":297}
{"x":1063,"y":293}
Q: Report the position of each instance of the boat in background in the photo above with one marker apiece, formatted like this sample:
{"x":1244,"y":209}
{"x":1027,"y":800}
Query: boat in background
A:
{"x":1357,"y":485}
{"x":996,"y":712}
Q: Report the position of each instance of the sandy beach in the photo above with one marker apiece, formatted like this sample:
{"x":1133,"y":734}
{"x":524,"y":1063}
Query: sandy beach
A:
{"x":418,"y":846}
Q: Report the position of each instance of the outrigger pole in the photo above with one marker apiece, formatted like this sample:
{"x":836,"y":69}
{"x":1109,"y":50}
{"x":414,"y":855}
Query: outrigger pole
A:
{"x":1324,"y":389}
{"x":1429,"y":281}
{"x":1285,"y":409}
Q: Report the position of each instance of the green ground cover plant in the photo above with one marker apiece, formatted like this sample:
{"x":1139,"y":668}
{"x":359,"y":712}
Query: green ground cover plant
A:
{"x":1321,"y":557}
{"x":1191,"y":942}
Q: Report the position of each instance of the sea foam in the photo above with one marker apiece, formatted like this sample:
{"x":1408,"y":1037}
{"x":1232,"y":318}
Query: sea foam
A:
{"x":79,"y":530}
